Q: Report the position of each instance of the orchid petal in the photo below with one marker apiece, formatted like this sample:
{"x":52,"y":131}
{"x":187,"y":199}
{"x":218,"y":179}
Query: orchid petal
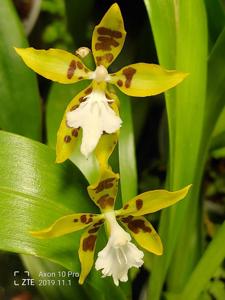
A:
{"x":108,"y":37}
{"x":145,"y":79}
{"x":55,"y":64}
{"x":152,"y":201}
{"x":67,"y":224}
{"x":144,"y":233}
{"x":87,"y":249}
{"x":104,"y":192}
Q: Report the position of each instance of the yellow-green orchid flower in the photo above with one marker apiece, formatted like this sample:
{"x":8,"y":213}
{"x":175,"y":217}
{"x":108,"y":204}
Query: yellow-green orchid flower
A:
{"x":120,"y":254}
{"x":95,"y":109}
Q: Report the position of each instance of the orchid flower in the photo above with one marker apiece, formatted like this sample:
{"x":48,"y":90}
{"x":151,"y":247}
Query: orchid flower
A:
{"x":120,"y":253}
{"x":95,"y":109}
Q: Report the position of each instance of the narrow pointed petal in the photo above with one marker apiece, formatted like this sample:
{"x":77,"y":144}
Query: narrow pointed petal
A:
{"x":142,"y":79}
{"x":68,"y":137}
{"x":108,"y":37}
{"x":87,"y":249}
{"x":105,"y":148}
{"x":66,"y":224}
{"x":104,"y":192}
{"x":144,"y":233}
{"x":152,"y":201}
{"x":54,"y":64}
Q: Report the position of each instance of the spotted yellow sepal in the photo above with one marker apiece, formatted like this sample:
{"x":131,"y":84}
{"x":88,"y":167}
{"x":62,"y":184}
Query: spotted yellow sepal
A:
{"x":68,"y":138}
{"x":142,"y":79}
{"x":108,"y":37}
{"x":66,"y":224}
{"x":144,"y":233}
{"x":87,"y":249}
{"x":104,"y":191}
{"x":152,"y":201}
{"x":54,"y":64}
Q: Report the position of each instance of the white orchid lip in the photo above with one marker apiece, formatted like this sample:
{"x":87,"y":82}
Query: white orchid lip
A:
{"x":100,"y":74}
{"x":95,"y":117}
{"x":119,"y":255}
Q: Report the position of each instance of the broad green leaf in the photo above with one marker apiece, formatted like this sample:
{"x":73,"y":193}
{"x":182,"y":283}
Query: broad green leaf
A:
{"x":185,"y":109}
{"x":162,"y":16}
{"x":34,"y":192}
{"x":19,"y":99}
{"x":213,"y":107}
{"x":189,"y":120}
{"x":57,"y":290}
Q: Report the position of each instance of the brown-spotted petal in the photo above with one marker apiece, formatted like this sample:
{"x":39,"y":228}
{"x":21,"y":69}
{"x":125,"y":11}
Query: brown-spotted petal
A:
{"x":142,"y":79}
{"x":144,"y":233}
{"x":87,"y":249}
{"x":108,"y":37}
{"x":152,"y":201}
{"x":55,"y":64}
{"x":104,"y":192}
{"x":68,"y":137}
{"x":66,"y":224}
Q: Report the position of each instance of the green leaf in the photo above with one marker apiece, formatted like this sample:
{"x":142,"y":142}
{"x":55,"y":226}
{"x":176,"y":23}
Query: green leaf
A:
{"x":216,"y":19}
{"x":77,"y":16}
{"x":65,"y":286}
{"x":58,"y":99}
{"x":189,"y":121}
{"x":19,"y":99}
{"x":127,"y":159}
{"x":216,"y":89}
{"x":220,"y":125}
{"x":218,"y":153}
{"x":216,"y":96}
{"x":207,"y":266}
{"x":163,"y":22}
{"x":34,"y":192}
{"x":185,"y":109}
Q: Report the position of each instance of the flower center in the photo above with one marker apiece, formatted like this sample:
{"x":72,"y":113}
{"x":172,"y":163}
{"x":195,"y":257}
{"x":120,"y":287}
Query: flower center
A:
{"x":120,"y":254}
{"x":119,"y":236}
{"x":100,"y":74}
